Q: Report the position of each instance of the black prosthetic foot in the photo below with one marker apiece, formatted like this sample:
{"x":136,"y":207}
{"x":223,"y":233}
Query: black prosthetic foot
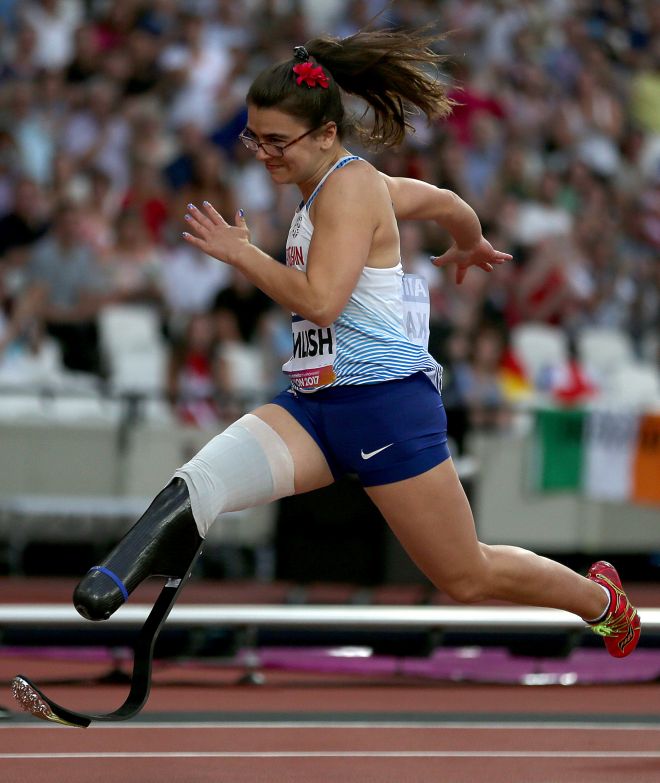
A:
{"x":163,"y":542}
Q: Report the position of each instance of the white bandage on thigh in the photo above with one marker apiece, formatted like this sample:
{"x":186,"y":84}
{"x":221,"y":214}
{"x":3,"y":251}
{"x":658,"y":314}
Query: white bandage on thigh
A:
{"x":246,"y":465}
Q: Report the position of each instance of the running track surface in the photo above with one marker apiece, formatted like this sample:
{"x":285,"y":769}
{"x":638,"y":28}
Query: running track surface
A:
{"x":201,"y":725}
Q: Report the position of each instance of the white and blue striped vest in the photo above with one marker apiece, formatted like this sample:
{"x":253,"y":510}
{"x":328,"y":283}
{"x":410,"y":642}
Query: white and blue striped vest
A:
{"x":382,"y":333}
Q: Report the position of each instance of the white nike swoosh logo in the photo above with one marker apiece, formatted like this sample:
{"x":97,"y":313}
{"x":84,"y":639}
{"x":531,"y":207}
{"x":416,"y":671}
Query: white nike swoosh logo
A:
{"x":373,"y":453}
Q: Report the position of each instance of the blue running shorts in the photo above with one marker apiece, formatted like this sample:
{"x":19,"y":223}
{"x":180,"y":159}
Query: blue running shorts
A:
{"x":383,"y":432}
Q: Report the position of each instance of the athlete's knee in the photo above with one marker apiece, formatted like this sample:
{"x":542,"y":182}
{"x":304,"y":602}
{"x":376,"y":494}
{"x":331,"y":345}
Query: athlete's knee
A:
{"x":468,"y":589}
{"x":246,"y":465}
{"x":471,"y":585}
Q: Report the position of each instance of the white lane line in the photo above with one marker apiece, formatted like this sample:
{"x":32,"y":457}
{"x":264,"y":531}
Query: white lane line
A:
{"x":395,"y":754}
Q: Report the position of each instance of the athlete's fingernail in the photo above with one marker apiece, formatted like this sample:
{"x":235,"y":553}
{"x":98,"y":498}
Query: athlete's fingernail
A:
{"x":187,"y":217}
{"x":185,"y":234}
{"x":191,"y":206}
{"x":241,"y":213}
{"x":207,"y":204}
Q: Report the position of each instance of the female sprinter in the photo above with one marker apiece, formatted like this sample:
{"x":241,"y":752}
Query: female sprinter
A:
{"x":364,"y":397}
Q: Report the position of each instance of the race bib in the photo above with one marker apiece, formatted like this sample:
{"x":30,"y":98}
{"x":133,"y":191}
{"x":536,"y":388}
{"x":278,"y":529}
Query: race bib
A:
{"x":416,"y":309}
{"x":314,"y":351}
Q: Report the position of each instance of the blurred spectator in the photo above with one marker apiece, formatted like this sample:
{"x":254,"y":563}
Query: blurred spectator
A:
{"x":9,"y":168}
{"x":131,"y":265}
{"x":20,"y":55}
{"x":196,"y":70}
{"x":179,"y":170}
{"x":85,"y":60}
{"x":35,"y":144}
{"x":147,"y":198}
{"x":194,"y":374}
{"x":54,"y":23}
{"x":144,"y":47}
{"x":240,"y":307}
{"x":552,"y":284}
{"x":99,"y":205}
{"x":151,"y":143}
{"x":63,"y":269}
{"x":477,"y":381}
{"x":542,"y":216}
{"x":645,"y":83}
{"x":191,"y":282}
{"x":97,"y":135}
{"x":28,"y":220}
{"x":208,"y":182}
{"x":113,"y":23}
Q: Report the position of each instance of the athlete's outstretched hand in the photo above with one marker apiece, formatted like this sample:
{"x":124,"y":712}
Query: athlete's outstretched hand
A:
{"x":211,"y":233}
{"x":482,"y":255}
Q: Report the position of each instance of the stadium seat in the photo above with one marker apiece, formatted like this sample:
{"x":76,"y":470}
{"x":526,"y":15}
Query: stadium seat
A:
{"x":133,"y":348}
{"x":539,"y":347}
{"x":602,"y":350}
{"x":139,"y":372}
{"x":128,"y":328}
{"x":636,"y":385}
{"x":245,"y":372}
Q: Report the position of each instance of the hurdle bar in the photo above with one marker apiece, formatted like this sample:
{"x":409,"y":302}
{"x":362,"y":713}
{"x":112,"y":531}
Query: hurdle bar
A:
{"x":410,"y":618}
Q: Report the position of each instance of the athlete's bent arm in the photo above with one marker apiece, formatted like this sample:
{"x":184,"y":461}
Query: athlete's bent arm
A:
{"x":414,"y":199}
{"x":344,"y":228}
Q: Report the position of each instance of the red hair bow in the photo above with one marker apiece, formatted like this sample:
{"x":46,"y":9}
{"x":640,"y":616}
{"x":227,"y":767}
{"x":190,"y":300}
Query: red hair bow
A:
{"x":311,"y":74}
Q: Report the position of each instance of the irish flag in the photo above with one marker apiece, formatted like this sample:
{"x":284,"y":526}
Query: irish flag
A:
{"x":606,"y":455}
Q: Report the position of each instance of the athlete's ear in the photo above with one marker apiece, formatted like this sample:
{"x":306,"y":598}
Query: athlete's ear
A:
{"x":328,"y":135}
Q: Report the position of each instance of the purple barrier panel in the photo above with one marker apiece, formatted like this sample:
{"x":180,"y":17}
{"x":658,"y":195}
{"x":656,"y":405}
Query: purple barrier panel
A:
{"x":471,"y":664}
{"x":597,"y":666}
{"x":340,"y":660}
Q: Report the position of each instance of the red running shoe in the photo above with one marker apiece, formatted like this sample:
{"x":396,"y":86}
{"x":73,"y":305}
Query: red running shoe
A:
{"x":621,"y":626}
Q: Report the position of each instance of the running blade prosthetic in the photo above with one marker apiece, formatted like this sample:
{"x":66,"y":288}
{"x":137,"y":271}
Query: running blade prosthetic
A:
{"x":35,"y":701}
{"x":163,"y":542}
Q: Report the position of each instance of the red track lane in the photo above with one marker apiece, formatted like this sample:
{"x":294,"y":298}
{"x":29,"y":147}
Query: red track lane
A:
{"x":373,"y":739}
{"x":212,"y":688}
{"x":409,"y":754}
{"x":329,"y":755}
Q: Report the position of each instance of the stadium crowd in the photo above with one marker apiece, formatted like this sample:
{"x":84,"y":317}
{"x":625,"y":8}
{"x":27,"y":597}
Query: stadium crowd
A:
{"x":115,"y":115}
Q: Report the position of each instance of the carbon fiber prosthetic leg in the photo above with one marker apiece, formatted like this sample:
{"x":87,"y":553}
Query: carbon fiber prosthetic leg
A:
{"x":163,"y":542}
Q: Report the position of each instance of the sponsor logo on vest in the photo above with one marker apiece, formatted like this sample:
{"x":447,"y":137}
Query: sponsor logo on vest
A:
{"x":313,"y":342}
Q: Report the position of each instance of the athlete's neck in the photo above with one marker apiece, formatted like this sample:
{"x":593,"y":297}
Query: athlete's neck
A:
{"x":324,"y":166}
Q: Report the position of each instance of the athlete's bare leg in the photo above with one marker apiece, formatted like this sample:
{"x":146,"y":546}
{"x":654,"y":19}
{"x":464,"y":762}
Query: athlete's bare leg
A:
{"x":311,"y":470}
{"x":431,"y":516}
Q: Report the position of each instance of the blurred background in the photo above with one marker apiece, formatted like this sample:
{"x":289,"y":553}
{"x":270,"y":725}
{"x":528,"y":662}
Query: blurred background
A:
{"x":123,"y":349}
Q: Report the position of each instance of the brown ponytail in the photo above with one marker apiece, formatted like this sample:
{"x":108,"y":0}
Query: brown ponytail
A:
{"x":389,"y":69}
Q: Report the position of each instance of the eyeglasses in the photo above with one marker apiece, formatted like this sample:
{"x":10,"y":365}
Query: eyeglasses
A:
{"x":272,"y":150}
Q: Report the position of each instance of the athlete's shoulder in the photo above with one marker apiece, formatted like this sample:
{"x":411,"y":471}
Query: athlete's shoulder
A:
{"x":361,"y":169}
{"x":355,"y":178}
